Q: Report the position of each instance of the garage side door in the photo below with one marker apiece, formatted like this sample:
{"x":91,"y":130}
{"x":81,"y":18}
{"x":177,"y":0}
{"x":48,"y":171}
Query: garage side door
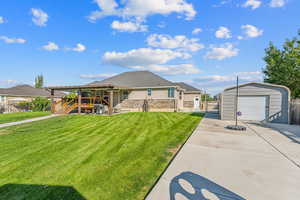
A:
{"x":252,"y":108}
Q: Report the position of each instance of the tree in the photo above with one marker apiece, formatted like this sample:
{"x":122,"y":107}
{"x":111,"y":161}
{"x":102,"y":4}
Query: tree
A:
{"x":283,"y":65}
{"x":39,"y":81}
{"x":206,"y":97}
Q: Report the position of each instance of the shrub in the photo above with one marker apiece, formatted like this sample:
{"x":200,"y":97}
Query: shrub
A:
{"x":24,"y":105}
{"x":41,"y":104}
{"x":71,"y":95}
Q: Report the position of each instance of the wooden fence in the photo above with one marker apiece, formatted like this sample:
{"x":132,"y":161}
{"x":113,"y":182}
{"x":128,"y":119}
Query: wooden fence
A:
{"x":295,"y":111}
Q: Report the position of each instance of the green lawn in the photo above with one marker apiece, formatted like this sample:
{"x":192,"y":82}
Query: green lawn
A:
{"x":19,"y":116}
{"x":90,"y":157}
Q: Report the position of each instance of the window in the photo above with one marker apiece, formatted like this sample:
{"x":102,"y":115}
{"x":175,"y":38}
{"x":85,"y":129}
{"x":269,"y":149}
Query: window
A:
{"x":171,"y":92}
{"x":149,"y":90}
{"x":125,"y":94}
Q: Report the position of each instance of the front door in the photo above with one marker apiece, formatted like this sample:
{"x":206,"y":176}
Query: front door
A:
{"x":196,"y":103}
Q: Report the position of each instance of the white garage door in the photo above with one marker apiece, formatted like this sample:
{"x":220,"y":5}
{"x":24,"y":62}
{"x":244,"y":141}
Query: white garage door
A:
{"x":252,"y":108}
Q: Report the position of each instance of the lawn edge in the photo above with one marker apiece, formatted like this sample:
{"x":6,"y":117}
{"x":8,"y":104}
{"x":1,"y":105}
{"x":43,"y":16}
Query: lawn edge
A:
{"x":171,"y":160}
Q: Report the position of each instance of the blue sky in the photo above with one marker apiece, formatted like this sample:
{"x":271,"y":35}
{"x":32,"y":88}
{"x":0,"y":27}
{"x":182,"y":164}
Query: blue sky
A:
{"x":205,"y":43}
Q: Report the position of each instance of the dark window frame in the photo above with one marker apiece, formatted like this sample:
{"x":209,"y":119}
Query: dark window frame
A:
{"x":171,"y":92}
{"x":149,"y":91}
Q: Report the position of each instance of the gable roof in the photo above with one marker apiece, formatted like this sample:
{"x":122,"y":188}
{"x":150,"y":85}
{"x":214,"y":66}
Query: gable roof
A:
{"x":262,"y":84}
{"x":28,"y":91}
{"x":187,"y":87}
{"x":136,"y":79}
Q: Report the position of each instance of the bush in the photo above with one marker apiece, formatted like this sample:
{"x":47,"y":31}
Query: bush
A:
{"x":71,"y":95}
{"x":41,"y":104}
{"x":24,"y":105}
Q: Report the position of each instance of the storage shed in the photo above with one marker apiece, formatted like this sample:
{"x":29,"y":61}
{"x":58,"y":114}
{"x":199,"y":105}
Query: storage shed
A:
{"x":256,"y":102}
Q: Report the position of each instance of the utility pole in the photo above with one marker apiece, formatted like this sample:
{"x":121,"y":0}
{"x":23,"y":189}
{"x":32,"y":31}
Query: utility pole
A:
{"x":236,"y":101}
{"x":205,"y":101}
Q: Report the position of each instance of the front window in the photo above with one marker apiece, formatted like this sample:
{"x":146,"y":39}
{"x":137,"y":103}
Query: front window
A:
{"x":149,"y":91}
{"x":125,"y":94}
{"x":171,"y":92}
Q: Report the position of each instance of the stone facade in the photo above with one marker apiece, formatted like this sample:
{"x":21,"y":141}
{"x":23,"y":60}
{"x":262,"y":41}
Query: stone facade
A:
{"x":154,"y":105}
{"x":188,"y":104}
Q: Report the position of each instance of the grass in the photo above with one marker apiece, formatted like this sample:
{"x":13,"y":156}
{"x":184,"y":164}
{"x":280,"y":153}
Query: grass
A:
{"x":90,"y":157}
{"x":19,"y":116}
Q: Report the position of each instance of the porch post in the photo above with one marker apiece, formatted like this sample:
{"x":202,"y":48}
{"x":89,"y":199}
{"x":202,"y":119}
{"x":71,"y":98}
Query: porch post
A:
{"x":52,"y":101}
{"x":111,"y":102}
{"x":79,"y":101}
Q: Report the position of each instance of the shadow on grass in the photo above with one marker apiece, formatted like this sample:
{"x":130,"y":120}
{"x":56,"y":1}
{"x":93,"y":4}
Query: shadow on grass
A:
{"x":39,"y":192}
{"x":195,"y":187}
{"x":197,"y":114}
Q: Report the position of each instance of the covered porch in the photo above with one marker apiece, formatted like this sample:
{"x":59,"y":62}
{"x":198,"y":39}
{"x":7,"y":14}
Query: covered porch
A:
{"x":86,"y":98}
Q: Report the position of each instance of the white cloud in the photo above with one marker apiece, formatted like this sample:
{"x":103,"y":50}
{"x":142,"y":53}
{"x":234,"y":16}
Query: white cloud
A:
{"x":216,"y":83}
{"x":142,"y":8}
{"x":180,"y":42}
{"x":129,"y":26}
{"x":196,"y":31}
{"x":161,"y":25}
{"x":8,"y":83}
{"x":251,"y":31}
{"x":96,"y":76}
{"x":277,"y":3}
{"x":181,"y":69}
{"x":252,"y":3}
{"x":40,"y":17}
{"x":79,"y":48}
{"x":151,"y":59}
{"x":240,"y":37}
{"x":137,"y":58}
{"x":243,"y":76}
{"x":2,"y":20}
{"x":12,"y":40}
{"x":51,"y":46}
{"x":221,"y":52}
{"x":223,"y":32}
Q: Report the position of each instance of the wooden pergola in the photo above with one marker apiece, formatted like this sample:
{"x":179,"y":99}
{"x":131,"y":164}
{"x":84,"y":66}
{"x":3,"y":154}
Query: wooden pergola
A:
{"x":107,"y":87}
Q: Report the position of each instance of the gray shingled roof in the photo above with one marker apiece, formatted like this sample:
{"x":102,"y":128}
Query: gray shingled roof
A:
{"x":28,"y":91}
{"x":187,"y":87}
{"x":136,"y":79}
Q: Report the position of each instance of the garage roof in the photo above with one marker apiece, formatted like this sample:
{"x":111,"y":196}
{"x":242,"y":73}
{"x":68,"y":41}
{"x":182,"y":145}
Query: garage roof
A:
{"x":257,"y":83}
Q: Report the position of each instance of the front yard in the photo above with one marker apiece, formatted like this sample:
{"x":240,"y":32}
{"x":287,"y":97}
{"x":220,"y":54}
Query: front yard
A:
{"x":90,"y":157}
{"x":19,"y":116}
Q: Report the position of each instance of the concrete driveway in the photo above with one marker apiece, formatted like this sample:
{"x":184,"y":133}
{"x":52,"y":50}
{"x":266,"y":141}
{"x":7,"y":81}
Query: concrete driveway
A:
{"x":215,"y":163}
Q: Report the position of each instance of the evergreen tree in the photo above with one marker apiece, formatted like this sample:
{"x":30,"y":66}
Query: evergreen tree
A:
{"x":39,"y":81}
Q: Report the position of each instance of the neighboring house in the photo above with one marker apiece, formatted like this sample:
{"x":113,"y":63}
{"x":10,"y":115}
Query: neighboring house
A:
{"x":256,"y":102}
{"x":135,"y":91}
{"x":9,"y":97}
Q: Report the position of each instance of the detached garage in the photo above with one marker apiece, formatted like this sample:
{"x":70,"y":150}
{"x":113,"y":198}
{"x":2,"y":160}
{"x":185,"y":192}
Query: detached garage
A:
{"x":256,"y":102}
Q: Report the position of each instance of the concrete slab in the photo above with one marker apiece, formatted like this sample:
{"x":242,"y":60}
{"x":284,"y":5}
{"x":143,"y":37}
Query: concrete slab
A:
{"x":285,"y":138}
{"x":27,"y":121}
{"x":222,"y":164}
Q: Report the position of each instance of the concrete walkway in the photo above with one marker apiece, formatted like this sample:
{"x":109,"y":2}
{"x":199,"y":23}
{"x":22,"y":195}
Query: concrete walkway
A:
{"x":220,"y":164}
{"x":26,"y":121}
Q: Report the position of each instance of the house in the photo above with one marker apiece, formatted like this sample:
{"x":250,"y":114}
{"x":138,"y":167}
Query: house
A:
{"x":256,"y":102}
{"x":9,"y":97}
{"x":134,"y":91}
